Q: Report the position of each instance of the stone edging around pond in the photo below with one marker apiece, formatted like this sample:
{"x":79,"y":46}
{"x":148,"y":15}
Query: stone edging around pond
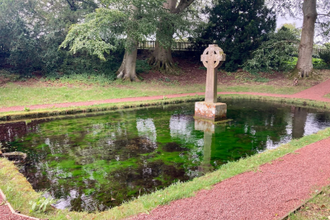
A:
{"x":11,"y":208}
{"x":96,"y":110}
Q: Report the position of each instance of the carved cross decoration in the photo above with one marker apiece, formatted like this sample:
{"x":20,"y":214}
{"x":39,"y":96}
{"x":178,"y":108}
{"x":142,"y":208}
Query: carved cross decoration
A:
{"x":211,"y":58}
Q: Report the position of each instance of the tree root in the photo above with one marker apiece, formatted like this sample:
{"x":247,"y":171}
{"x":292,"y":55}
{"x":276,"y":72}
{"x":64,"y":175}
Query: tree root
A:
{"x":126,"y":77}
{"x":165,"y":67}
{"x":296,"y":73}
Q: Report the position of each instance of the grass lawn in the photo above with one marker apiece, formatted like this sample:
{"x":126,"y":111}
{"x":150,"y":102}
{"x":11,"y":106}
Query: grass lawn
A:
{"x":16,"y":94}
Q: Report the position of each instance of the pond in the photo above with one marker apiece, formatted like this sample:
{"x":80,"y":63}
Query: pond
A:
{"x":95,"y":163}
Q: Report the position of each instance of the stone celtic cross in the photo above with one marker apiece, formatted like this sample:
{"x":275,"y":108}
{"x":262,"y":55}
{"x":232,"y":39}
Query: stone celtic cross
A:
{"x":211,"y":58}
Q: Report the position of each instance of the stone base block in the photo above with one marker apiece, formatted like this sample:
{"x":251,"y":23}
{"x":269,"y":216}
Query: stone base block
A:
{"x":211,"y":111}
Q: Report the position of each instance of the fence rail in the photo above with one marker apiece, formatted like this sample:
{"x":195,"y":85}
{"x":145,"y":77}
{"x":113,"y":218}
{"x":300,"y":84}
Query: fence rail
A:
{"x":176,"y":46}
{"x":187,"y":46}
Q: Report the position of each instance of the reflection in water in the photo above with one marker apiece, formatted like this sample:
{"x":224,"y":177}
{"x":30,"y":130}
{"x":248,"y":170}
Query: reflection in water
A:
{"x":298,"y":122}
{"x":206,"y":163}
{"x":95,"y":163}
{"x":146,"y":127}
{"x":208,"y":128}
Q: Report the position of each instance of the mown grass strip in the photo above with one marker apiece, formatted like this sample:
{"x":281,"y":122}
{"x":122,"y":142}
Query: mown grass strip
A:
{"x":96,"y":109}
{"x":17,"y":95}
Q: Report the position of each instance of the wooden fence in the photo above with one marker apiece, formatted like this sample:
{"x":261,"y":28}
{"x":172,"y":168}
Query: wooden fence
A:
{"x":187,"y":46}
{"x":176,"y":46}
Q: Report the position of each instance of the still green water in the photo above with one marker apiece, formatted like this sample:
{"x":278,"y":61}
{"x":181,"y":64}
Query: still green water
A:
{"x":95,"y":163}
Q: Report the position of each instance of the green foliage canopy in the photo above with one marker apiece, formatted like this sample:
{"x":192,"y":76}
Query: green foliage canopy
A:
{"x":31,"y":32}
{"x":119,"y":22}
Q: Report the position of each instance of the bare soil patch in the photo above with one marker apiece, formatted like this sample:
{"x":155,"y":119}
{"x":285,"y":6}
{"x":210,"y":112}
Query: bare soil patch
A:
{"x":193,"y":72}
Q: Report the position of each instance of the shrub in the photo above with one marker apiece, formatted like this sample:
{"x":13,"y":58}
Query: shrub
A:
{"x":325,"y":55}
{"x":275,"y":54}
{"x":238,"y":27}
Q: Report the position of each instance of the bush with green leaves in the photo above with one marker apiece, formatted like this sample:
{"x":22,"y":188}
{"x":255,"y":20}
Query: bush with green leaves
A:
{"x":275,"y":54}
{"x":325,"y":55}
{"x":238,"y":27}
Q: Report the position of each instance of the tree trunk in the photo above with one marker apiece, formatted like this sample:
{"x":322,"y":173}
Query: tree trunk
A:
{"x":127,"y":70}
{"x":161,"y":59}
{"x":304,"y":66}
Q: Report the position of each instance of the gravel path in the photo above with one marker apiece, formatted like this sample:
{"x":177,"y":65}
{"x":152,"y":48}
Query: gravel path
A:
{"x":6,"y":214}
{"x":270,"y":193}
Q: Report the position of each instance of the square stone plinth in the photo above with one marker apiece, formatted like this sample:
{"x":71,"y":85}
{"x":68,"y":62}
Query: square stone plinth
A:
{"x":211,"y":111}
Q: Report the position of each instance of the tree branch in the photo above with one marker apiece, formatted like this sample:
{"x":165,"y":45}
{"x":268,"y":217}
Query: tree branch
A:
{"x":182,"y":6}
{"x":328,"y":15}
{"x":72,"y":5}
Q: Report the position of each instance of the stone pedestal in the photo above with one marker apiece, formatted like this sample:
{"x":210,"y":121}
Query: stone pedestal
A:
{"x":211,"y":111}
{"x":212,"y":57}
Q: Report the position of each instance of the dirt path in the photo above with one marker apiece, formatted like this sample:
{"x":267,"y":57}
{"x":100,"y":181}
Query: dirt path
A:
{"x":269,"y":193}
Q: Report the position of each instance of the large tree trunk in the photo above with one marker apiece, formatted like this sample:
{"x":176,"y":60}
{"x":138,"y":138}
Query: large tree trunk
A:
{"x":127,"y":70}
{"x":161,"y":59}
{"x":304,"y":66}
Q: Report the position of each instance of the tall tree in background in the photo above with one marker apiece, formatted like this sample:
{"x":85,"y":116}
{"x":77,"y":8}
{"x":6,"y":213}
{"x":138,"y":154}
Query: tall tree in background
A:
{"x":31,"y":31}
{"x":305,"y":65}
{"x":54,"y":19}
{"x":18,"y":44}
{"x":238,"y":27}
{"x":161,"y":59}
{"x":315,"y":13}
{"x":119,"y":21}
